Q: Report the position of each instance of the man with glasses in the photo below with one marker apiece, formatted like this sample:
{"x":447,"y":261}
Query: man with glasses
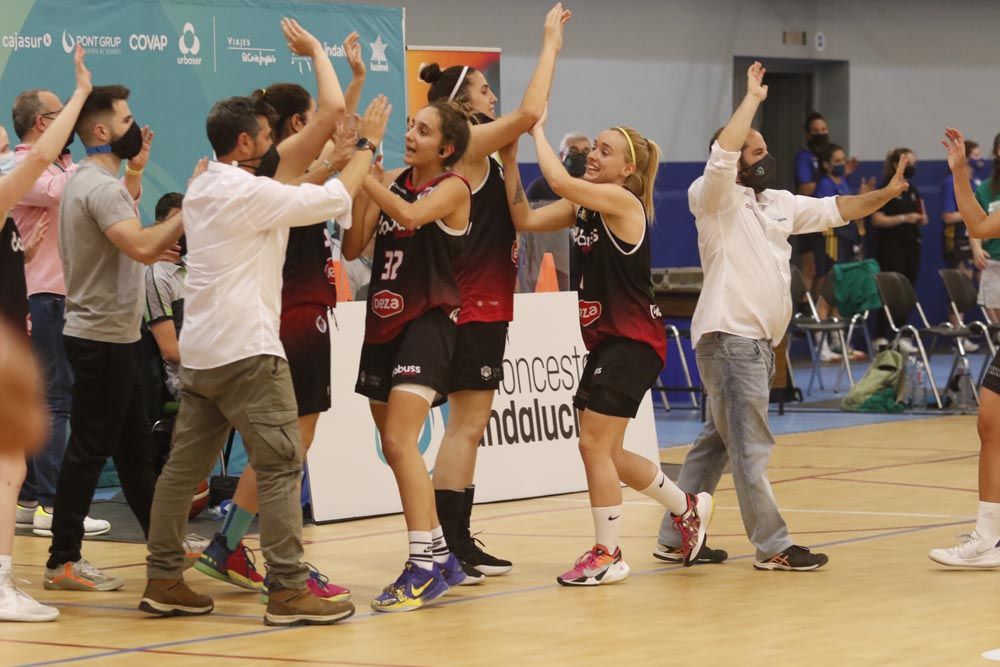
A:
{"x":33,"y":112}
{"x":573,"y":151}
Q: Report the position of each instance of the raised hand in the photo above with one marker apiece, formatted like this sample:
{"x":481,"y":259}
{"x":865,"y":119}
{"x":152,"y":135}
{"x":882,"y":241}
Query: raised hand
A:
{"x":83,"y":82}
{"x":300,"y":41}
{"x":344,"y":141}
{"x":140,"y":161}
{"x":851,"y":166}
{"x":554,"y":22}
{"x":352,"y":49}
{"x":954,"y":142}
{"x":375,"y":119}
{"x":898,"y":185}
{"x":755,"y":81}
{"x":540,"y":125}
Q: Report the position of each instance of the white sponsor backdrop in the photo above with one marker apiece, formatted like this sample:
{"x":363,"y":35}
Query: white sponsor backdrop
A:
{"x":530,"y":447}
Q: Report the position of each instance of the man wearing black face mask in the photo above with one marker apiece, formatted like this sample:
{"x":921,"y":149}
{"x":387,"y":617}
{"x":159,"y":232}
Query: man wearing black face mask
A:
{"x":744,"y":309}
{"x":573,"y":151}
{"x":103,"y":247}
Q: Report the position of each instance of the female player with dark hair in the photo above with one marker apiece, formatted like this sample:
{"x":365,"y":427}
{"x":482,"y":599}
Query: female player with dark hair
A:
{"x":307,"y":286}
{"x":981,"y":547}
{"x":486,"y":273}
{"x":609,"y":210}
{"x":420,"y":219}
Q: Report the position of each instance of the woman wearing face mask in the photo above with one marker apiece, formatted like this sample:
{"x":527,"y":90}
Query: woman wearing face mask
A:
{"x":898,"y":238}
{"x":609,"y":211}
{"x":486,"y":273}
{"x":420,"y":219}
{"x":988,"y":195}
{"x":298,"y":126}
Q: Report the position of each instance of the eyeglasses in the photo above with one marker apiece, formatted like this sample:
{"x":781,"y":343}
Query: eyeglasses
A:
{"x":50,"y":115}
{"x":579,"y":151}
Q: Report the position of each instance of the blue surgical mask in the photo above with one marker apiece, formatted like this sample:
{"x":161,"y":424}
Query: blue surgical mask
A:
{"x":6,"y":162}
{"x":839,"y":170}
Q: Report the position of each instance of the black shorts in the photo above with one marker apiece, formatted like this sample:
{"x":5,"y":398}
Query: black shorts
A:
{"x":305,"y":333}
{"x":478,"y":361}
{"x":992,"y":379}
{"x":421,"y":354}
{"x":617,"y":376}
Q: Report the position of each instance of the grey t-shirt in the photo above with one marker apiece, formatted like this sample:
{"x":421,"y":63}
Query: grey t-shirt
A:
{"x":104,"y":286}
{"x":165,"y":301}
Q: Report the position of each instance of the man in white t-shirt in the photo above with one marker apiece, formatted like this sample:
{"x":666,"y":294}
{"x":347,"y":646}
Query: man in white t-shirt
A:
{"x":743,"y":311}
{"x":234,"y":373}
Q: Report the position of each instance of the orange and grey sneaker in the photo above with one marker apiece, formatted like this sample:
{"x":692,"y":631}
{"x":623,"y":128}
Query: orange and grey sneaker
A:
{"x":80,"y":575}
{"x":793,"y":559}
{"x":235,"y":566}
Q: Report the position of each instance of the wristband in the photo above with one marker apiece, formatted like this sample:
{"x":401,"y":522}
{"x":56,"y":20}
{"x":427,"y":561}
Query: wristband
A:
{"x":129,"y":171}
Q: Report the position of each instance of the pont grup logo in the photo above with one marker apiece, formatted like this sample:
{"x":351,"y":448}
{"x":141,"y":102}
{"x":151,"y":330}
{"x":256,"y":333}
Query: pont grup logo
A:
{"x":386,"y":303}
{"x":429,"y":440}
{"x":590,"y":312}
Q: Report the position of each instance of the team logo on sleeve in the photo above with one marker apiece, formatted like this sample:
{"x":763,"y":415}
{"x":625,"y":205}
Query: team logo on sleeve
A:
{"x":590,"y":312}
{"x":386,"y":303}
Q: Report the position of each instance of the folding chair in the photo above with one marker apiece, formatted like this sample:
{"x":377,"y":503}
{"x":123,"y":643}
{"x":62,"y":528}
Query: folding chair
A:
{"x":899,"y":300}
{"x":962,"y":297}
{"x":811,"y":324}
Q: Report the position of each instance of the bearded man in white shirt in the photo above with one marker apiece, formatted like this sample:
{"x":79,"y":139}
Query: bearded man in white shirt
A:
{"x":743,"y":311}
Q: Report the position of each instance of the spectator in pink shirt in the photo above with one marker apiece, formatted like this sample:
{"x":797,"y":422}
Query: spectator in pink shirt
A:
{"x":33,"y":113}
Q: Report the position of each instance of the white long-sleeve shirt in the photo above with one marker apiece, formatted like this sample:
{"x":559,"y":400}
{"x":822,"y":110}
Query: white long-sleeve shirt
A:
{"x":236,"y":227}
{"x":745,"y":254}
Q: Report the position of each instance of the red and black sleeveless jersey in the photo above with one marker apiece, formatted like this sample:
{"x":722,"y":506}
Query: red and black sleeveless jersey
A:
{"x":308,"y":271}
{"x":487,"y":269}
{"x":615,"y":288}
{"x":412,"y":268}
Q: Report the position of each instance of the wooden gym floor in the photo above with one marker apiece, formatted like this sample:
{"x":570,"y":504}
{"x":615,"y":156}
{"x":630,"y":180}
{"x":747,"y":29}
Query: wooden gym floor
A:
{"x":875,"y":498}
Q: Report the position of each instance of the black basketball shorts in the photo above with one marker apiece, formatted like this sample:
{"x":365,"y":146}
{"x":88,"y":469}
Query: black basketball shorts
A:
{"x":616,"y":377}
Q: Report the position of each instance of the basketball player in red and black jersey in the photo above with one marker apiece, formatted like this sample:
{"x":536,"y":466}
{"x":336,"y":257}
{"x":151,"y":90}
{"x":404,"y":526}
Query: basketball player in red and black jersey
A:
{"x":609,"y":210}
{"x":420,"y":223}
{"x":307,"y":290}
{"x":486,"y":273}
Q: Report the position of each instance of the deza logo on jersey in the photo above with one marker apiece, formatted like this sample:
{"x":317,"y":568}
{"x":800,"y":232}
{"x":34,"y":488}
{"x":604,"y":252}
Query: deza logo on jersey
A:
{"x":386,"y":303}
{"x":590,"y":312}
{"x":388,"y":226}
{"x":583,"y":239}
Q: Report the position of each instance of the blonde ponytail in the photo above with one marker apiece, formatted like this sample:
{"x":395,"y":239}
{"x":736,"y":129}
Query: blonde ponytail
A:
{"x":642,"y":182}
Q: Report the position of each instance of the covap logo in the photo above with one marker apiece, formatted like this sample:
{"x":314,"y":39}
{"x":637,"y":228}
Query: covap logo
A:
{"x":189,"y":45}
{"x":429,"y":440}
{"x":378,"y":62}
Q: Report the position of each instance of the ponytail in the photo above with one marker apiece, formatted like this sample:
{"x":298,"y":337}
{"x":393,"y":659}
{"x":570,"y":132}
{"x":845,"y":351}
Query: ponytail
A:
{"x":646,"y":154}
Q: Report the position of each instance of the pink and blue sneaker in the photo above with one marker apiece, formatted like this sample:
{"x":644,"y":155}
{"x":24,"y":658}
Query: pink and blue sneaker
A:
{"x":318,"y":584}
{"x":414,"y":588}
{"x":595,"y":567}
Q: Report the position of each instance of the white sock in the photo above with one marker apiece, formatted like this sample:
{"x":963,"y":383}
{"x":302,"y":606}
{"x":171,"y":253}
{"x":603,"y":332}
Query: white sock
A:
{"x":607,"y":521}
{"x":6,"y":564}
{"x":420,"y":549}
{"x":665,"y":492}
{"x":439,"y":548}
{"x":988,"y":520}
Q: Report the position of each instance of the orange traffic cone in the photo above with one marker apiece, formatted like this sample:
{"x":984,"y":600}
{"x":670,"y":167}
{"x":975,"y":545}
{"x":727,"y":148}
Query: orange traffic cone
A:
{"x":340,"y":279}
{"x":547,"y":281}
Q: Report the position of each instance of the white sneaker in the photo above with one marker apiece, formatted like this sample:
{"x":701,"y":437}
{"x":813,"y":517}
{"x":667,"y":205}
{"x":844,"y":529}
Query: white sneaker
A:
{"x":971,"y":551}
{"x":91,"y":527}
{"x":906,"y":347}
{"x":828,"y":356}
{"x":25,"y":516}
{"x":16,"y":605}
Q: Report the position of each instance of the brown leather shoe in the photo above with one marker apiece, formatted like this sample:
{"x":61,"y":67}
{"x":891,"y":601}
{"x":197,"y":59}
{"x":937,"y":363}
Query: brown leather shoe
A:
{"x":172,"y":597}
{"x":288,"y":606}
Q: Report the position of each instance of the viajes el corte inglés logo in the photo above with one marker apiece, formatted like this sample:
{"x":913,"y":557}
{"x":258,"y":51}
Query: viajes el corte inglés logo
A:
{"x":250,"y":54}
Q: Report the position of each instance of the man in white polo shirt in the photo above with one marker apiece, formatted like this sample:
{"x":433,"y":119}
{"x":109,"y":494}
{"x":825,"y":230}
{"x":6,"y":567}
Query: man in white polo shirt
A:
{"x":744,"y":309}
{"x":234,"y":373}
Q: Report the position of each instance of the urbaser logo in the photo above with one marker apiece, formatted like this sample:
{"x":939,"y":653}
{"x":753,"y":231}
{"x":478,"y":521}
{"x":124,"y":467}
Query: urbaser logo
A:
{"x":590,"y":312}
{"x":386,"y":303}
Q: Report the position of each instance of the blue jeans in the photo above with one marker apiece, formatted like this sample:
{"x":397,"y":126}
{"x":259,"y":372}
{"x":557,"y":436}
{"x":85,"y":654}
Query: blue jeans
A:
{"x":736,"y":373}
{"x":48,"y":315}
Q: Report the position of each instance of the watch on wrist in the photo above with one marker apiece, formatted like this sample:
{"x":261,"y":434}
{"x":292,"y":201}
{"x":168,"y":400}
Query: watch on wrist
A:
{"x":365,"y":145}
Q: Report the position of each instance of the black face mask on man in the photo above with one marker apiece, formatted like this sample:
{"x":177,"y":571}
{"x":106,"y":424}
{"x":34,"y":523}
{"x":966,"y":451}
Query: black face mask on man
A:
{"x":267,"y":162}
{"x":124,"y":147}
{"x":575,"y":163}
{"x":760,"y":175}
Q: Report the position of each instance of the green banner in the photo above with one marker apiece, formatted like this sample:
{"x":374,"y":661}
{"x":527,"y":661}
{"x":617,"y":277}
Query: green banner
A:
{"x":179,"y":57}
